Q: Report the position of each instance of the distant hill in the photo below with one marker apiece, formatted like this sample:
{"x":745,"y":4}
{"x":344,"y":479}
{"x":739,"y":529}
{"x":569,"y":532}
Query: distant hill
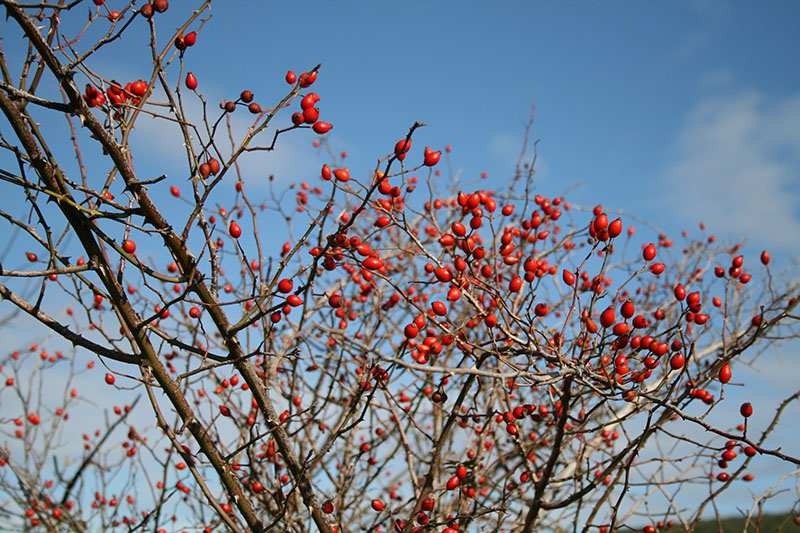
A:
{"x":768,"y":524}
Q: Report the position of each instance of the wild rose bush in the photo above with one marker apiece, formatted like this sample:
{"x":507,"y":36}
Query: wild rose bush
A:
{"x":419,"y":355}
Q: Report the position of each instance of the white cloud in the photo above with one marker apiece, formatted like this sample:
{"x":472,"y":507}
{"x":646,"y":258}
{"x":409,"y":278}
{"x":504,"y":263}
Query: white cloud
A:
{"x":736,"y":167}
{"x":716,"y":79}
{"x":506,"y":146}
{"x":710,"y":10}
{"x":293,"y":158}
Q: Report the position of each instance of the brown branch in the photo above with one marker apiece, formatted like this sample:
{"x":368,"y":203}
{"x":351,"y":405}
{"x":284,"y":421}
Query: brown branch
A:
{"x":88,"y":459}
{"x":22,"y":95}
{"x":65,"y":332}
{"x":555,"y":453}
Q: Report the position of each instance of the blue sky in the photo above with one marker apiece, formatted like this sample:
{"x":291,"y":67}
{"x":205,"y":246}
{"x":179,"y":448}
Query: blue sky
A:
{"x":661,"y":110}
{"x":676,"y":112}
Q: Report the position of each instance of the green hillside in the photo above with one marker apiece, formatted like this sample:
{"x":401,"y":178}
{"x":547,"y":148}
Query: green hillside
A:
{"x":768,"y":523}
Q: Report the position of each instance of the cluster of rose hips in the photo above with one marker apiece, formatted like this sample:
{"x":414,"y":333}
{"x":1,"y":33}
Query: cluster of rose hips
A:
{"x":147,"y":10}
{"x":511,"y":418}
{"x":735,"y":270}
{"x":183,"y":42}
{"x":402,"y":147}
{"x":245,"y":98}
{"x":209,"y":168}
{"x":47,"y":505}
{"x":306,"y":78}
{"x":309,"y":114}
{"x":115,"y":94}
{"x":601,"y":229}
{"x":341,"y":174}
{"x":156,"y":6}
{"x":427,"y":505}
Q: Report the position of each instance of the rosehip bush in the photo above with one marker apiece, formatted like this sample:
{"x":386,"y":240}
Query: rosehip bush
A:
{"x":410,"y":355}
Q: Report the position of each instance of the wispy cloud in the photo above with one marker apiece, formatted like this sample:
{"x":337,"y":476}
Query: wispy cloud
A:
{"x":292,"y":159}
{"x":506,"y":146}
{"x":736,"y":167}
